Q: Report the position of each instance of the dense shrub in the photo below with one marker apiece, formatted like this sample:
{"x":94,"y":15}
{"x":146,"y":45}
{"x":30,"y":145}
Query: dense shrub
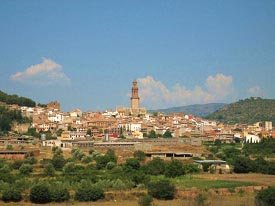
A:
{"x":155,"y":167}
{"x":110,"y":165}
{"x":69,"y":168}
{"x":131,"y":164}
{"x":58,"y":161}
{"x":242,"y":165}
{"x":174,"y":169}
{"x":49,"y":169}
{"x":17,"y":164}
{"x":89,"y":193}
{"x":25,"y":169}
{"x":139,"y":155}
{"x":59,"y":193}
{"x":11,"y":195}
{"x":191,"y":168}
{"x":30,"y":160}
{"x":40,"y":194}
{"x":163,"y":189}
{"x":145,"y":200}
{"x":266,"y":197}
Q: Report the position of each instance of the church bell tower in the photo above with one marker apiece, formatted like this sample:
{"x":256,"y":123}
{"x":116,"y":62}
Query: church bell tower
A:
{"x":134,"y":97}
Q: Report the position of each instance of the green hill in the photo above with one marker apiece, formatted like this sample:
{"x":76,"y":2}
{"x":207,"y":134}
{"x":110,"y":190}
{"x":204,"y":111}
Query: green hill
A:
{"x":199,"y":110}
{"x":246,"y":111}
{"x":15,"y":99}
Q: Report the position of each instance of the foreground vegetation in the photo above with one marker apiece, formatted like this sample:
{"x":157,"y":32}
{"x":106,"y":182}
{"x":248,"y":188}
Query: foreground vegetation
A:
{"x":90,"y":176}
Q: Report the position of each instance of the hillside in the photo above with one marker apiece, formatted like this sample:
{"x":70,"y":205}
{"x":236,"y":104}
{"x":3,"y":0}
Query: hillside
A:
{"x":15,"y":99}
{"x":199,"y":110}
{"x":246,"y":111}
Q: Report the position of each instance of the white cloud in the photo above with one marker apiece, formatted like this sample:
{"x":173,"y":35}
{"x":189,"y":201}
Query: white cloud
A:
{"x":154,"y":94}
{"x":46,"y":73}
{"x":255,"y":91}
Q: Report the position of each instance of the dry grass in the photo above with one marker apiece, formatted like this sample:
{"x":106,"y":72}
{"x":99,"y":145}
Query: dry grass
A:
{"x":247,"y":200}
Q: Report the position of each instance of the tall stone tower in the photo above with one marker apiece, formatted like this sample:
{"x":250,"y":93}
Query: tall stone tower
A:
{"x":134,"y":97}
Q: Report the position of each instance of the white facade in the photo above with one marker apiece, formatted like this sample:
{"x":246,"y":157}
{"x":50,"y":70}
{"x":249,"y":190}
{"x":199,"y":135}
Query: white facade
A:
{"x":55,"y":117}
{"x":268,"y":126}
{"x":252,"y":139}
{"x":133,"y":127}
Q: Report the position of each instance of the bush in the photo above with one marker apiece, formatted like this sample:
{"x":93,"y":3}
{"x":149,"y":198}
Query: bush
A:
{"x":40,"y":194}
{"x":25,"y":169}
{"x":266,"y":197}
{"x":30,"y":160}
{"x":139,"y":155}
{"x":49,"y":169}
{"x":131,"y":164}
{"x":174,"y":169}
{"x":11,"y":195}
{"x":201,"y":200}
{"x":17,"y":164}
{"x":86,"y":159}
{"x":69,"y":168}
{"x":242,"y":165}
{"x":163,"y":189}
{"x":86,"y":193}
{"x":145,"y":200}
{"x":58,"y":161}
{"x":155,"y":167}
{"x":59,"y":194}
{"x":110,"y":165}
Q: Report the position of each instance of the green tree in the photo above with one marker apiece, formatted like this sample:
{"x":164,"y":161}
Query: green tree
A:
{"x":58,"y":161}
{"x":9,"y":147}
{"x":102,"y":161}
{"x":266,"y":197}
{"x":139,"y":155}
{"x":163,"y":189}
{"x":40,"y":194}
{"x":167,"y":134}
{"x":155,"y":167}
{"x":49,"y":169}
{"x":17,"y":164}
{"x":89,"y":132}
{"x":217,"y":142}
{"x":69,"y":168}
{"x":59,"y":132}
{"x":174,"y":169}
{"x":59,"y":193}
{"x":30,"y":160}
{"x":131,"y":164}
{"x":25,"y":169}
{"x":242,"y":165}
{"x":89,"y":193}
{"x":152,"y":134}
{"x":11,"y":195}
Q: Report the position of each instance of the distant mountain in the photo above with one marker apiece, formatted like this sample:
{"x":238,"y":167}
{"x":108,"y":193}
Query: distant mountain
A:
{"x":248,"y":111}
{"x":200,"y":110}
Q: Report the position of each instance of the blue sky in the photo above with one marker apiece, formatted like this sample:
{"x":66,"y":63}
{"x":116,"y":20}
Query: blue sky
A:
{"x":85,"y":54}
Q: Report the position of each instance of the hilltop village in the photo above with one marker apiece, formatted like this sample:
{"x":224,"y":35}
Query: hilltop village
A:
{"x":52,"y":156}
{"x":132,"y":128}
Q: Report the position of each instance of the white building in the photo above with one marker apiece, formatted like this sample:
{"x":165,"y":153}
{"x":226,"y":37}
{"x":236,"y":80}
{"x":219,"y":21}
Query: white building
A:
{"x":251,"y":138}
{"x":268,"y":126}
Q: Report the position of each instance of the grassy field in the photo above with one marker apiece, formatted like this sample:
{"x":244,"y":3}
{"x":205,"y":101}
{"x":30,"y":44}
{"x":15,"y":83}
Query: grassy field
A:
{"x":204,"y":183}
{"x":254,"y":178}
